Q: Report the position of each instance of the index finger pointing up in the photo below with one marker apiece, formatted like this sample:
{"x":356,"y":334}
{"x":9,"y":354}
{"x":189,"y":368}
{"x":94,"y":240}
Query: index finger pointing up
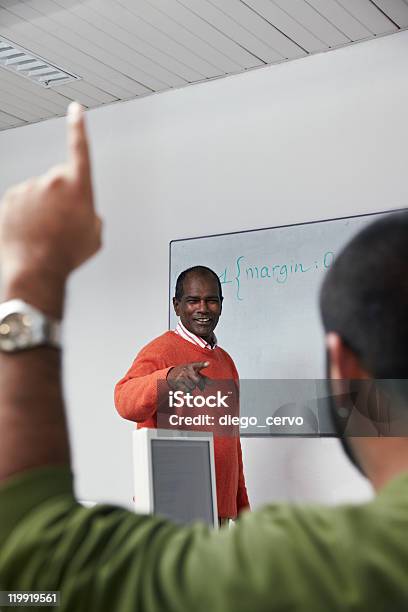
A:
{"x":78,"y":152}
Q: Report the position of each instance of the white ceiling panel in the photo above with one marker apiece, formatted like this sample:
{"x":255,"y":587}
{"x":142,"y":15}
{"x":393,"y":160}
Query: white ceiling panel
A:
{"x":285,"y":23}
{"x":397,"y":10}
{"x":259,"y":27}
{"x":81,"y":35}
{"x":40,"y":41}
{"x":20,"y":108}
{"x":117,"y":26}
{"x":174,"y":20}
{"x":313,"y":21}
{"x":7,"y":120}
{"x":50,"y":100}
{"x":54,"y":102}
{"x":94,"y":93}
{"x":341,"y":19}
{"x":9,"y":102}
{"x":167,"y":36}
{"x":233,"y":29}
{"x":122,"y":49}
{"x":369,"y":14}
{"x":81,"y":92}
{"x":113,"y":52}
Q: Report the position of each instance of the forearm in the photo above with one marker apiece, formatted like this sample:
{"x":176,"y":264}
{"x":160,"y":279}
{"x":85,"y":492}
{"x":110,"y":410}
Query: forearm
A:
{"x":136,"y":397}
{"x":32,"y":421}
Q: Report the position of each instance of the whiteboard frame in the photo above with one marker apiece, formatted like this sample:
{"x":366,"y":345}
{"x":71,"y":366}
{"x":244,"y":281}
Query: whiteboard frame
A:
{"x":261,"y":229}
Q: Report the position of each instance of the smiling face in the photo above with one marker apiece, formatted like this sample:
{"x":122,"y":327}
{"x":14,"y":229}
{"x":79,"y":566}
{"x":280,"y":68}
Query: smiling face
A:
{"x":200,"y":305}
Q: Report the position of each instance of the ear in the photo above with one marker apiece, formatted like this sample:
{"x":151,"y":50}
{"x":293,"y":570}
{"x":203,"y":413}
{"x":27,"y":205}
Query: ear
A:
{"x":176,"y":306}
{"x":344,"y":364}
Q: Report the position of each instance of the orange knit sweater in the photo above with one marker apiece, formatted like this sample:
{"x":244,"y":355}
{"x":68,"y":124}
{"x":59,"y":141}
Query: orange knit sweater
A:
{"x":136,"y":400}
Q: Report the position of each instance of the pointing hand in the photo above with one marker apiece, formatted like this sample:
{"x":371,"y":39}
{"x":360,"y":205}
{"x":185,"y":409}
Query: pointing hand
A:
{"x":188,"y":376}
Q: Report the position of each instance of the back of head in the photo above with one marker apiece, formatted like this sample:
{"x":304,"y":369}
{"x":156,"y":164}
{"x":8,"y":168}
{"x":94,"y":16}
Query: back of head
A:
{"x":364,"y":297}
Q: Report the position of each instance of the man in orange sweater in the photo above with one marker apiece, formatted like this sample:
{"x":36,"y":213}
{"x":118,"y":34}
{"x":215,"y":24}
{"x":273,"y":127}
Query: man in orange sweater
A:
{"x":179,"y":356}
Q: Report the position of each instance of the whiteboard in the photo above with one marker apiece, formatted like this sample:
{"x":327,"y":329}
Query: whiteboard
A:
{"x":270,"y":279}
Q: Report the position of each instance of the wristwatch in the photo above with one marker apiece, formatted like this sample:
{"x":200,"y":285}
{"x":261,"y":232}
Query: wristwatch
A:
{"x":23,"y":327}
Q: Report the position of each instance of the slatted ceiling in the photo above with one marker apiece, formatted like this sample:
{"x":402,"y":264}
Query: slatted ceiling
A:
{"x":112,"y":51}
{"x":23,"y":109}
{"x":226,"y":54}
{"x":76,"y":93}
{"x":50,"y":54}
{"x":134,"y":42}
{"x":233,"y":29}
{"x":214,"y":45}
{"x":369,"y":14}
{"x":55,"y":50}
{"x":18,"y":99}
{"x":397,"y":10}
{"x":313,"y":21}
{"x":51,"y":95}
{"x":341,"y":19}
{"x":10,"y":120}
{"x":174,"y":40}
{"x":51,"y":100}
{"x":122,"y":49}
{"x":7,"y":126}
{"x":81,"y":35}
{"x":221,"y":54}
{"x":287,"y":24}
{"x":259,"y":26}
{"x":19,"y":112}
{"x":95,"y":94}
{"x":171,"y":43}
{"x":3,"y":126}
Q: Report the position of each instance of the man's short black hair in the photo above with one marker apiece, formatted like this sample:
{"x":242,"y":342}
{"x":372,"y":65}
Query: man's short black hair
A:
{"x":364,"y":297}
{"x":200,"y":271}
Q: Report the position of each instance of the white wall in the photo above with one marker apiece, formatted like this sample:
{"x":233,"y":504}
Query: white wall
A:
{"x":315,"y":138}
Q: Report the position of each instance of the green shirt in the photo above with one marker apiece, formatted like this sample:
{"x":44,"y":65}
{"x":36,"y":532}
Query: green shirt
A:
{"x":283,"y":557}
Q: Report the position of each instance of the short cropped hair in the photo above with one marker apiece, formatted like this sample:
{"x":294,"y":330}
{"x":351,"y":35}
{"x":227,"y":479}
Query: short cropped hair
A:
{"x":364,"y":297}
{"x":199,"y":271}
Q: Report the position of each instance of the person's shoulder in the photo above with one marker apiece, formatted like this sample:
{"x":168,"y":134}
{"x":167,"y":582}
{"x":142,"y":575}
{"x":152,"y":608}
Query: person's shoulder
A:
{"x":165,"y":340}
{"x":227,"y":359}
{"x":225,"y":354}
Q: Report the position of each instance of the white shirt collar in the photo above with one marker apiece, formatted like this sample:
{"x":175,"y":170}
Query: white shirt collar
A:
{"x":190,"y":337}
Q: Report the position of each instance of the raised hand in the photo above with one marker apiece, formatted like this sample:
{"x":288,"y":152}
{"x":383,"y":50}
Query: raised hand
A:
{"x":48,"y":224}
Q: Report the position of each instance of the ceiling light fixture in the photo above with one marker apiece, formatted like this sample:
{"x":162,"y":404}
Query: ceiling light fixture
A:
{"x":31,"y":66}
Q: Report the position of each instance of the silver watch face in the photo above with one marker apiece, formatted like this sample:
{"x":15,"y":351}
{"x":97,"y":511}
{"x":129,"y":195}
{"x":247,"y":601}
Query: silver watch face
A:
{"x":22,"y":326}
{"x":16,"y":332}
